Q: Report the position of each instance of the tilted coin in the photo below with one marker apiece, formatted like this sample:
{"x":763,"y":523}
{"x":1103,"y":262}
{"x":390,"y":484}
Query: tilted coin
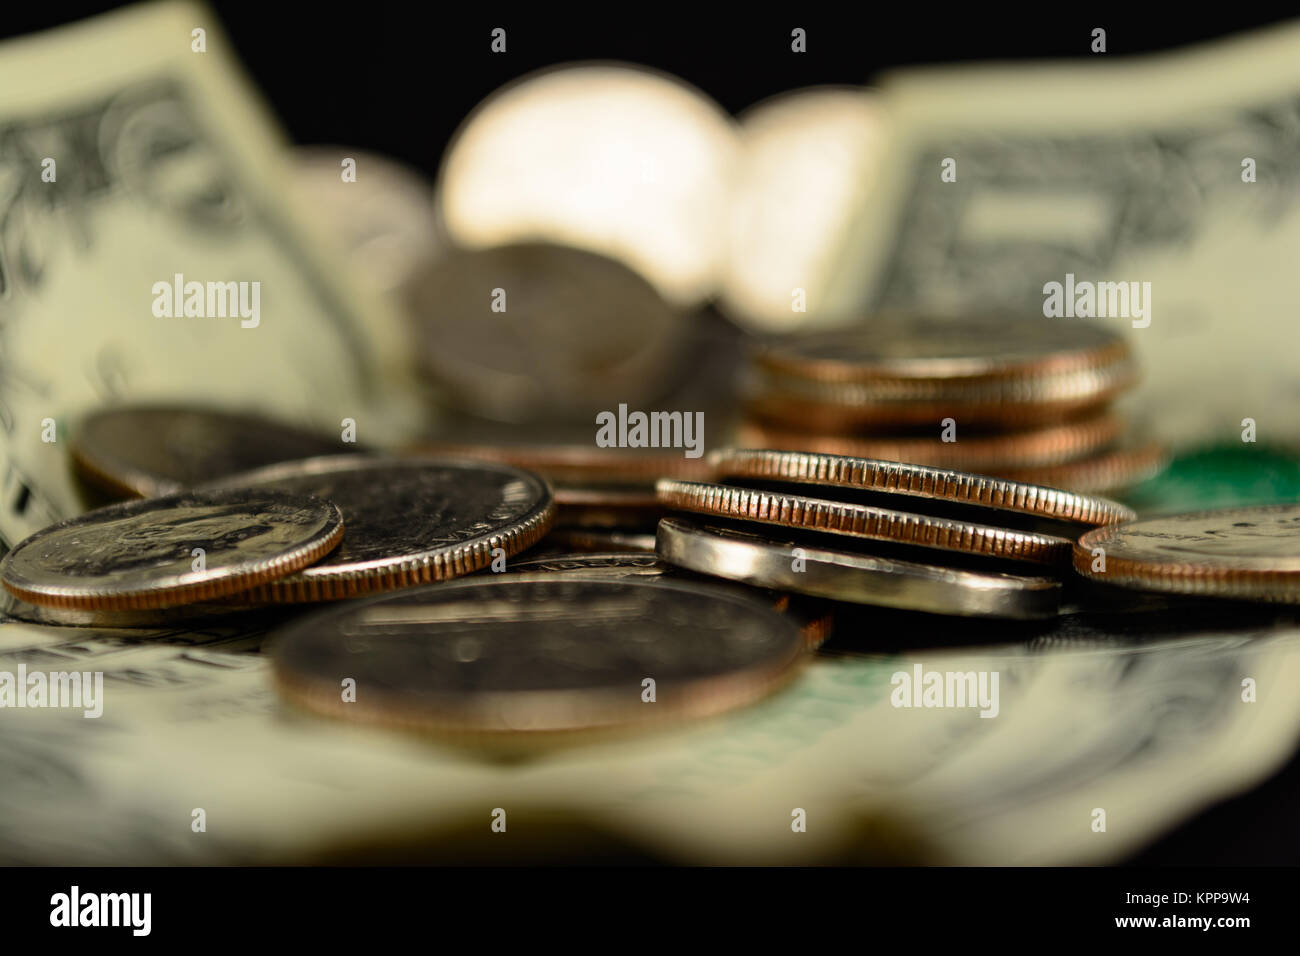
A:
{"x":927,"y":352}
{"x":158,"y":552}
{"x":862,"y":521}
{"x":150,"y":450}
{"x":384,"y":217}
{"x":572,"y":334}
{"x":995,"y":495}
{"x":1110,"y":470}
{"x":860,"y":578}
{"x":1249,"y":553}
{"x":409,"y":521}
{"x":989,"y":453}
{"x":814,"y":623}
{"x":536,"y":654}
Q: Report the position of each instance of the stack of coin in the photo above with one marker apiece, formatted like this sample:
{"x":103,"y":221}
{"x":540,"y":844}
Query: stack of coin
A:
{"x":1022,"y":399}
{"x":878,"y":532}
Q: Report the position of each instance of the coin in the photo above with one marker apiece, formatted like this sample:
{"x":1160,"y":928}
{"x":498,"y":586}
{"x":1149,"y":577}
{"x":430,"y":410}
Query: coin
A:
{"x":762,"y":561}
{"x":814,"y":623}
{"x":158,"y":552}
{"x":612,"y":157}
{"x":537,"y":654}
{"x":1014,"y":403}
{"x":862,"y":521}
{"x":384,"y":217}
{"x":535,"y":331}
{"x":899,"y":478}
{"x":569,"y":538}
{"x":1110,"y":470}
{"x":806,"y":154}
{"x":151,"y":450}
{"x":578,"y":463}
{"x":988,"y":453}
{"x":1249,"y":553}
{"x":608,"y":506}
{"x":921,"y":355}
{"x":409,"y":521}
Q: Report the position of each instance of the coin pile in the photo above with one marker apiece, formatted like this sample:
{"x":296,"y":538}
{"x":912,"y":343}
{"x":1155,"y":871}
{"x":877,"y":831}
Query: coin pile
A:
{"x":878,"y":532}
{"x":761,"y":552}
{"x":1026,"y":400}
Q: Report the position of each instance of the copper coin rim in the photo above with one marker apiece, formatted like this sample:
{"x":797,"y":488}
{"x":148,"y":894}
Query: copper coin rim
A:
{"x":234,"y":582}
{"x":922,"y":481}
{"x":862,"y":521}
{"x":1198,"y":578}
{"x":714,"y":695}
{"x":440,"y":564}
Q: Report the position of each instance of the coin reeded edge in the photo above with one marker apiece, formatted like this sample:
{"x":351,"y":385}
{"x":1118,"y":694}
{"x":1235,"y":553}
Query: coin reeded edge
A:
{"x":409,"y":571}
{"x":862,"y":521}
{"x":923,"y":481}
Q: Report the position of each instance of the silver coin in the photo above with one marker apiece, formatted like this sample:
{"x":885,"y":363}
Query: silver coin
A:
{"x":150,"y":450}
{"x":409,"y":521}
{"x":859,"y":578}
{"x":536,"y":331}
{"x":385,"y":218}
{"x":177,"y":549}
{"x":538,"y":654}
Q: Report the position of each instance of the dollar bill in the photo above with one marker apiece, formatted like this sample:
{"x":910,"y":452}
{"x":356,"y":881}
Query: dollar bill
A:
{"x":136,"y":167}
{"x":1147,"y":733}
{"x":1175,"y":170}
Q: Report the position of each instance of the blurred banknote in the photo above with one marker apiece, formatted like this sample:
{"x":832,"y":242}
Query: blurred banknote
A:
{"x":1147,"y":733}
{"x":148,"y":251}
{"x":1172,"y":176}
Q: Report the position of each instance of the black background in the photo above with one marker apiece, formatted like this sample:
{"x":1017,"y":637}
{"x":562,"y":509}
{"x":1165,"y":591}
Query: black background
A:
{"x":398,"y":78}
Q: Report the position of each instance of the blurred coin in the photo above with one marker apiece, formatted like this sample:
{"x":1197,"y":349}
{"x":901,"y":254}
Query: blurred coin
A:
{"x":151,"y":450}
{"x":851,"y":406}
{"x":1110,"y":470}
{"x":994,"y":495}
{"x":814,"y":623}
{"x":158,"y":552}
{"x":578,"y":463}
{"x":927,"y":353}
{"x":384,"y":218}
{"x":1250,"y":553}
{"x":409,"y":521}
{"x":989,"y":453}
{"x":805,"y":157}
{"x":862,"y":521}
{"x":569,"y":538}
{"x":613,"y":158}
{"x":918,"y":369}
{"x":608,"y":506}
{"x":535,"y":331}
{"x":860,"y":578}
{"x":529,"y":654}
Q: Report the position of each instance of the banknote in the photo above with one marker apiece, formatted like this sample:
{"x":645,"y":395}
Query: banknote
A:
{"x":194,"y":759}
{"x":149,"y":251}
{"x":1171,"y":178}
